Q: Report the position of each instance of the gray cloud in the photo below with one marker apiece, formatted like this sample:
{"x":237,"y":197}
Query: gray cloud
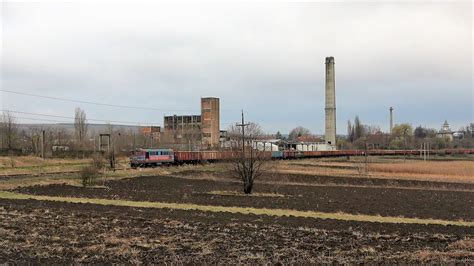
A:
{"x":265,"y":58}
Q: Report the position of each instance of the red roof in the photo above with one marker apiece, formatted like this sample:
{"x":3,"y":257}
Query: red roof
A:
{"x":308,"y":138}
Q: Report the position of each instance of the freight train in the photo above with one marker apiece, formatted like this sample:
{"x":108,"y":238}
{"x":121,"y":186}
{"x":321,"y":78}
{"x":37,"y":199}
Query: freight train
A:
{"x":156,"y":157}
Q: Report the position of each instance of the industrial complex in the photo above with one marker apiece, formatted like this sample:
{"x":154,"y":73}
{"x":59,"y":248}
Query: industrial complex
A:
{"x":202,"y":131}
{"x":190,"y":132}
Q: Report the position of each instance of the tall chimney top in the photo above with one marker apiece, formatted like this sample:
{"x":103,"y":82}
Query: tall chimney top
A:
{"x":329,"y":59}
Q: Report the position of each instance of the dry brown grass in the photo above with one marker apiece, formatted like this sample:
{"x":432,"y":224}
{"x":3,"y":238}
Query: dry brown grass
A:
{"x":40,"y":181}
{"x":458,"y":169}
{"x":32,"y":161}
{"x":29,"y":165}
{"x":429,"y":256}
{"x":447,"y":171}
{"x":465,"y":244}
{"x":314,"y":167}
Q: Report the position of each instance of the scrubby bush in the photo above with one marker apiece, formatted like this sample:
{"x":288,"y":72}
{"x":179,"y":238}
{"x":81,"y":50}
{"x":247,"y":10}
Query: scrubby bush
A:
{"x":98,"y":161}
{"x":91,"y":172}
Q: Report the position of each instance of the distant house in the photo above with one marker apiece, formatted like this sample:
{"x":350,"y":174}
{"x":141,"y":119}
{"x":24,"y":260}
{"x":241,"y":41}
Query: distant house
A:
{"x":309,"y":143}
{"x":56,"y":148}
{"x":309,"y":139}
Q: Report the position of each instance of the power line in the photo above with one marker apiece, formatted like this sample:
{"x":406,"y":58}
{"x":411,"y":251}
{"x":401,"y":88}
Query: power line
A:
{"x":94,"y":103}
{"x":67,"y":117}
{"x":40,"y":119}
{"x":59,"y":121}
{"x":106,"y":104}
{"x":72,"y":118}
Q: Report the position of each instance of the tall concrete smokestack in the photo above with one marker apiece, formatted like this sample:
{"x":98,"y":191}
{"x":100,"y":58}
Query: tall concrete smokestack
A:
{"x":330,"y":102}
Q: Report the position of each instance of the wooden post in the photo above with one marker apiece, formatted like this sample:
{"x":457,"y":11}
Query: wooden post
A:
{"x":243,"y":125}
{"x":42,"y":144}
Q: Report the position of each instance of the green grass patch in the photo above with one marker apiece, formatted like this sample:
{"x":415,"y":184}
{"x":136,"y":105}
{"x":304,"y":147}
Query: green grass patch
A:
{"x":239,"y":210}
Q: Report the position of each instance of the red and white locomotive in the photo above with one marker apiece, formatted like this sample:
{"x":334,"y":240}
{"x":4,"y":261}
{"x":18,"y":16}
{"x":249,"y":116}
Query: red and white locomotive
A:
{"x":151,"y":157}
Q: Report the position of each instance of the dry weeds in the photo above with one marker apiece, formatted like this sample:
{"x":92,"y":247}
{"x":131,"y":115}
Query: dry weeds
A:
{"x":241,"y":194}
{"x":427,"y":256}
{"x":463,"y":169}
{"x":465,"y":244}
{"x":444,"y":171}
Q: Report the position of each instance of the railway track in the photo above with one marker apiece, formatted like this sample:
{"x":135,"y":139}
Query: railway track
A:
{"x":217,"y":156}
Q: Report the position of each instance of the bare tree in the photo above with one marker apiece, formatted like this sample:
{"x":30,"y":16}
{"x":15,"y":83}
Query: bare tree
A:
{"x":80,"y":126}
{"x":298,"y":132}
{"x":35,"y":140}
{"x":191,"y":135}
{"x":350,"y":131}
{"x":9,"y":130}
{"x":359,"y":131}
{"x":250,"y":163}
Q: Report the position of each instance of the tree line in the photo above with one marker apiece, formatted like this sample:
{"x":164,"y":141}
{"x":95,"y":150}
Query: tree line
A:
{"x":403,"y":136}
{"x":59,"y":141}
{"x":82,"y":139}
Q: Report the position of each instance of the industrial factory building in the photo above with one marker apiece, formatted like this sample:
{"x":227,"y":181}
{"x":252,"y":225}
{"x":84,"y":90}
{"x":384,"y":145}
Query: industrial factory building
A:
{"x":210,"y":116}
{"x":193,"y":132}
{"x":202,"y":132}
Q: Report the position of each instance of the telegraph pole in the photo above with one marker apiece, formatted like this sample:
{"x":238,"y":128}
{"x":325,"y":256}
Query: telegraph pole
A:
{"x":42,"y":144}
{"x":243,"y":125}
{"x":391,"y":120}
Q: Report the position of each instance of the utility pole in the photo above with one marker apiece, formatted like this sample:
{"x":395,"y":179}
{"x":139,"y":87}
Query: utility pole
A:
{"x":429,"y":148}
{"x":426,"y":147}
{"x":425,"y":150}
{"x":366,"y":159}
{"x":243,"y":125}
{"x":424,"y":157}
{"x":42,"y":144}
{"x":391,"y":119}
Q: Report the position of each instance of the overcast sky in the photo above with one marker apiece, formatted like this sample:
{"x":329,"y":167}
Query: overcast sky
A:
{"x":267,"y":59}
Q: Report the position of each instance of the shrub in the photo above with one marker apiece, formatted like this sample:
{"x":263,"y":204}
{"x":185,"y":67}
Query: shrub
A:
{"x":91,"y":172}
{"x":98,"y":161}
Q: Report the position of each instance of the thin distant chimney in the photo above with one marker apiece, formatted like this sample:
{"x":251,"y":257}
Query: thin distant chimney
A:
{"x":330,"y":135}
{"x":391,"y":119}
